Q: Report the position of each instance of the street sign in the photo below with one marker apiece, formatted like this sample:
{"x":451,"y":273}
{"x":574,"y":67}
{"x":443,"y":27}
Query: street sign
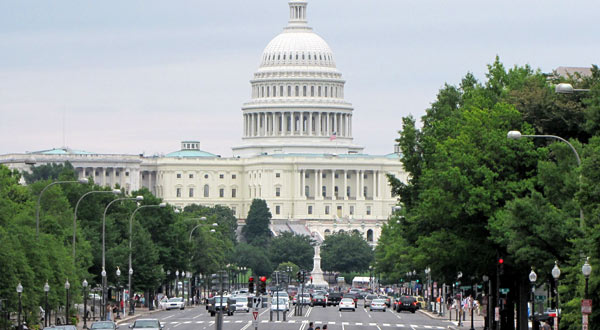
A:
{"x":586,"y":306}
{"x":540,"y":298}
{"x":256,"y":302}
{"x":504,"y":290}
{"x":255,"y":314}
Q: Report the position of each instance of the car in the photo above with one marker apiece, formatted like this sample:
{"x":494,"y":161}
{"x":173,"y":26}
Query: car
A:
{"x":63,"y":327}
{"x":421,"y":303}
{"x":241,"y":304}
{"x":377,"y":305}
{"x":347,"y":303}
{"x":147,"y":324}
{"x":279,"y":304}
{"x":162,"y":303}
{"x":406,"y":303}
{"x":369,"y":298}
{"x":333,"y":299}
{"x":174,"y":303}
{"x":218,"y":303}
{"x":319,"y":300}
{"x":388,"y":300}
{"x":352,"y":296}
{"x":109,"y":325}
{"x":302,"y":299}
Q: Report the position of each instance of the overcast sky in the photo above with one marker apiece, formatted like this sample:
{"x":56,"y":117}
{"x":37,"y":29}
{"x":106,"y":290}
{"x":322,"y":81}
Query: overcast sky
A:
{"x":140,"y":76}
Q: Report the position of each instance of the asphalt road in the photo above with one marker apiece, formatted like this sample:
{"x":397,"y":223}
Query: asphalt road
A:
{"x":197,"y":318}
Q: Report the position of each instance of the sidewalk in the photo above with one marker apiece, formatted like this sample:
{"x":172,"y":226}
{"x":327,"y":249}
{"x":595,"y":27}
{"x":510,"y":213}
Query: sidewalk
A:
{"x":478,"y":321}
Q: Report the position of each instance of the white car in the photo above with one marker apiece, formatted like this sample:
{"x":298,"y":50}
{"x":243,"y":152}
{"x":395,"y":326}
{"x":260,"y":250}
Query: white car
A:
{"x":279,"y":305}
{"x":174,"y":303}
{"x":241,"y":304}
{"x":377,"y":305}
{"x":346,"y":303}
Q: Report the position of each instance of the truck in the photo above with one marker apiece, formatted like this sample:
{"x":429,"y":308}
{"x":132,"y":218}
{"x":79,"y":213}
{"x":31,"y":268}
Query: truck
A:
{"x":217,"y":303}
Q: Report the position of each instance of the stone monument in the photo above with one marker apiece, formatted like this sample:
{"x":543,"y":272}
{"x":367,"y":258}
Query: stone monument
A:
{"x":318,"y":280}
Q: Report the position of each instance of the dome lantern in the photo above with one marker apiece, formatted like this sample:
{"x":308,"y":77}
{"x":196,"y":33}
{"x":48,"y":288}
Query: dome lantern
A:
{"x":297,"y":14}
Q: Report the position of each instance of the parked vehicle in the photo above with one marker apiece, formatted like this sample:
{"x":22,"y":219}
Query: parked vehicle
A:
{"x":174,"y":303}
{"x":146,"y":324}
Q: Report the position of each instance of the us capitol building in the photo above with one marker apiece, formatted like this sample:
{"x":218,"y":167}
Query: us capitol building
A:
{"x":297,"y":150}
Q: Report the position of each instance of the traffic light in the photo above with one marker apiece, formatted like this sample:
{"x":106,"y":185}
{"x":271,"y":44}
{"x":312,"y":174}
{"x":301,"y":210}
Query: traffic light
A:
{"x":299,"y":276}
{"x":251,"y":284}
{"x":311,"y":280}
{"x":500,"y":266}
{"x":262,"y":285}
{"x":214,"y":282}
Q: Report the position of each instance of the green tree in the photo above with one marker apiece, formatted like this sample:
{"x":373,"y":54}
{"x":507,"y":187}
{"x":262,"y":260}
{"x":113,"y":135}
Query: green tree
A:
{"x":346,"y":252}
{"x":253,"y":257}
{"x":257,"y":231}
{"x":50,"y":171}
{"x":288,"y":247}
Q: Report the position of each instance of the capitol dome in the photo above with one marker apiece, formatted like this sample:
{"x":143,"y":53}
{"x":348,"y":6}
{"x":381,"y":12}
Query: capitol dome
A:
{"x":297,"y":103}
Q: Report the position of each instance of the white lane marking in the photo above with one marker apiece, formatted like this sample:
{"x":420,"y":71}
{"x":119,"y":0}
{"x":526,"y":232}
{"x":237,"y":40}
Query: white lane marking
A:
{"x":345,"y":323}
{"x":197,"y":316}
{"x":308,"y":311}
{"x":266,"y":310}
{"x":333,"y":322}
{"x":238,"y":321}
{"x":372,"y":324}
{"x":440,"y":327}
{"x":226,"y":321}
{"x":386,"y":325}
{"x":358,"y":323}
{"x":176,"y":325}
{"x":211,"y":323}
{"x":168,"y":317}
{"x":414,"y":326}
{"x":292,"y":321}
{"x":246,"y":326}
{"x":264,"y":321}
{"x":187,"y":322}
{"x":198,"y":322}
{"x":427,"y":326}
{"x":174,"y":322}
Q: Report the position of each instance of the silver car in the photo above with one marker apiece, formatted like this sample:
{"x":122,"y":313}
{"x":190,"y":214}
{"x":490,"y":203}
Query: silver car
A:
{"x":377,"y":305}
{"x":148,"y":324}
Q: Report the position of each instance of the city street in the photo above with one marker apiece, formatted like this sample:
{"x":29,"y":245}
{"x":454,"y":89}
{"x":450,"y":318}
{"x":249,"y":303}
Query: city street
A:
{"x":198,"y":318}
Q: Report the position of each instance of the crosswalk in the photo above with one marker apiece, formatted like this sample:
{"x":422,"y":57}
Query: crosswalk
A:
{"x":388,"y":325}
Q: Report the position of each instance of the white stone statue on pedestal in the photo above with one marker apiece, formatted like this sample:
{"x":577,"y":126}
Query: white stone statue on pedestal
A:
{"x":317,"y":274}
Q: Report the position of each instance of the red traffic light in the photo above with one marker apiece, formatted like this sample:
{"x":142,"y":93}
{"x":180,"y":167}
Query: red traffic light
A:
{"x":250,"y":279}
{"x":263,"y":278}
{"x":500,"y":261}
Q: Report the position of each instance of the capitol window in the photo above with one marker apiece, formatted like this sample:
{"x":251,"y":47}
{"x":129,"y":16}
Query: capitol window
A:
{"x":310,"y":209}
{"x":348,"y":191}
{"x":178,"y":192}
{"x":368,"y":210}
{"x":277,"y":192}
{"x":206,"y":190}
{"x":277,"y":175}
{"x":325,"y":91}
{"x":280,"y":91}
{"x":277,"y":209}
{"x":304,"y":91}
{"x":206,"y":176}
{"x":326,"y":209}
{"x":297,"y":90}
{"x":289,"y":91}
{"x":319,"y":91}
{"x":312,"y":90}
{"x":233,"y":193}
{"x":191,"y":193}
{"x":351,"y":209}
{"x":365,"y":191}
{"x":221,"y":192}
{"x":274,"y":91}
{"x":324,"y":190}
{"x":178,"y":175}
{"x":233,"y":176}
{"x":191,"y":176}
{"x":221,"y":176}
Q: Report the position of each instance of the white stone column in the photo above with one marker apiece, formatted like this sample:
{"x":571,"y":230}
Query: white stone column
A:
{"x":320,"y":186}
{"x":310,"y":119}
{"x":350,"y":126}
{"x":333,"y":185}
{"x":301,"y":121}
{"x":319,"y":125}
{"x":302,"y":183}
{"x":335,"y":124}
{"x":345,"y":184}
{"x":326,"y":131}
{"x":316,"y":184}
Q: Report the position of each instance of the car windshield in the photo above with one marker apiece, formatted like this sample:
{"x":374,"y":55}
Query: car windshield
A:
{"x":175,"y":299}
{"x":279,"y":301}
{"x":146,"y":324}
{"x":348,"y":301}
{"x":102,"y":325}
{"x":371,"y":297}
{"x":218,"y":299}
{"x":319,"y":296}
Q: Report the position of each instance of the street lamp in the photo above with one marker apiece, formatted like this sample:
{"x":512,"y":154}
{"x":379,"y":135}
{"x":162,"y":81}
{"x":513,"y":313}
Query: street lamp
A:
{"x":114,"y":191}
{"x":177,"y":283}
{"x":67,"y":287}
{"x":84,"y":284}
{"x":19,"y":292}
{"x":556,"y":275}
{"x":565,"y":88}
{"x":532,"y":279}
{"x":586,"y":269}
{"x":137,"y":198}
{"x":103,"y":310}
{"x":161,"y":205}
{"x":371,"y":278}
{"x":46,"y":317}
{"x":118,"y":272}
{"x":37,"y":207}
{"x":189,"y":277}
{"x":516,"y":135}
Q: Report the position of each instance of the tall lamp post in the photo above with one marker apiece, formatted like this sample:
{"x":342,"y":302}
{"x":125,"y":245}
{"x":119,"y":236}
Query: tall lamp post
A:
{"x":37,"y":207}
{"x":19,"y":292}
{"x":114,"y":191}
{"x":516,"y":135}
{"x":532,"y":279}
{"x":103,"y":309}
{"x":488,"y":303}
{"x":429,"y":289}
{"x":130,"y":272}
{"x":556,"y":275}
{"x":46,"y":311}
{"x":84,"y":285}
{"x":104,"y":298}
{"x":118,"y":293}
{"x":67,"y":287}
{"x":177,"y":283}
{"x":586,"y":269}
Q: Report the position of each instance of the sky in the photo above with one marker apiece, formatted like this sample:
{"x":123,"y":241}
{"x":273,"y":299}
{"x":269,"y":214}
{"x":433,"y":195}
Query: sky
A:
{"x":131,"y":77}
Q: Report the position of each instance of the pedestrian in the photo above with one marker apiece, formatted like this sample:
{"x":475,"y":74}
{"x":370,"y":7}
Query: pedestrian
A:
{"x":108,"y":312}
{"x":546,"y":325}
{"x":318,"y":328}
{"x":325,"y":327}
{"x":310,"y":326}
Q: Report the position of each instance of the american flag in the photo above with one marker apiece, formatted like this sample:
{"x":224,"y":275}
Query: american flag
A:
{"x":333,"y":136}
